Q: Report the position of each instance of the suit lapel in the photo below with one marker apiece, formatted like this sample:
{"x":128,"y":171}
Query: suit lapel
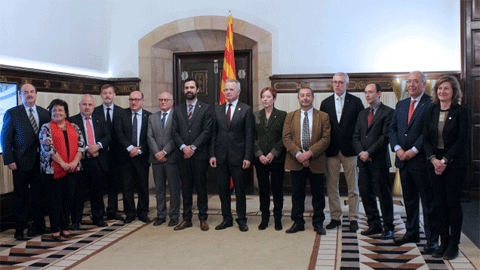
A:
{"x":26,"y":120}
{"x":376,"y":116}
{"x":237,"y":111}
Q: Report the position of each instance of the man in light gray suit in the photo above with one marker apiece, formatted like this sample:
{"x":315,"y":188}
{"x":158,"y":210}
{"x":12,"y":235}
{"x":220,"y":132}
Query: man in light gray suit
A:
{"x":163,"y":156}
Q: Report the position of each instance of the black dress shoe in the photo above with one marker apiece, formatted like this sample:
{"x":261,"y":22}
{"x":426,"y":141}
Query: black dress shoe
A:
{"x":159,"y":221}
{"x":263,"y":225}
{"x":320,"y":230}
{"x":333,"y":224}
{"x":144,"y":219}
{"x":440,"y":250}
{"x":451,"y":252}
{"x":353,"y":226}
{"x":242,"y":226}
{"x":100,"y":223}
{"x":372,"y":230}
{"x":225,"y":224}
{"x":430,"y":247}
{"x":173,"y":222}
{"x":406,"y":239}
{"x":128,"y":220}
{"x":114,"y":216}
{"x":387,"y":234}
{"x":31,"y":232}
{"x":278,"y":225}
{"x":75,"y":226}
{"x":19,"y":234}
{"x":296,"y":227}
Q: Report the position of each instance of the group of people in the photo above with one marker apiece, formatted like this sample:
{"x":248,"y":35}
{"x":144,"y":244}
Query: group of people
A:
{"x":108,"y":146}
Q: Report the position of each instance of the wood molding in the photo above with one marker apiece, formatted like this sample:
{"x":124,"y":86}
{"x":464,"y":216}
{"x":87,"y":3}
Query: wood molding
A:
{"x":56,"y":82}
{"x":291,"y":83}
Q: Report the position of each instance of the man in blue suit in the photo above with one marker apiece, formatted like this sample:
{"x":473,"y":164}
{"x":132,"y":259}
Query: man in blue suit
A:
{"x":20,"y":145}
{"x":406,"y":140}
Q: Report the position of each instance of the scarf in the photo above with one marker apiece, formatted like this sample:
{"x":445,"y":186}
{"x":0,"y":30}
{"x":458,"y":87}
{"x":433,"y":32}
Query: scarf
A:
{"x":58,"y":140}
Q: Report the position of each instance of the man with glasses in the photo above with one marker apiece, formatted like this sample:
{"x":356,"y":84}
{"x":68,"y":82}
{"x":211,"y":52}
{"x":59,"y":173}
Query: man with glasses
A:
{"x":343,"y":109}
{"x":163,"y":156}
{"x":406,"y":140}
{"x":131,"y":131}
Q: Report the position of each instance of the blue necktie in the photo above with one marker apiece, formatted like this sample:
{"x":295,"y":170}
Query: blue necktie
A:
{"x":163,"y":120}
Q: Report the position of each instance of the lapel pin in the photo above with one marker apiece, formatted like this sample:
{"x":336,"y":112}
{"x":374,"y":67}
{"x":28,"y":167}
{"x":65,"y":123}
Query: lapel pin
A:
{"x":239,"y":109}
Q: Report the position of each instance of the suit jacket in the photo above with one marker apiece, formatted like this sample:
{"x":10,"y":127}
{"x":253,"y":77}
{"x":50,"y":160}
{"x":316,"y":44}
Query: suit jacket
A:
{"x":319,"y":141}
{"x":342,"y":133}
{"x":409,"y":135}
{"x":234,"y":142}
{"x":123,"y":129}
{"x":20,"y":144}
{"x":114,"y":148}
{"x":197,"y":131}
{"x":101,"y":134}
{"x":268,"y":138}
{"x":456,"y":134}
{"x":374,"y":138}
{"x":159,"y":138}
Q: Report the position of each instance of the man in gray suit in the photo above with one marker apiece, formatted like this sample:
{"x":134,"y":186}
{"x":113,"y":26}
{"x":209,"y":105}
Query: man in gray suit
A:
{"x":163,"y":156}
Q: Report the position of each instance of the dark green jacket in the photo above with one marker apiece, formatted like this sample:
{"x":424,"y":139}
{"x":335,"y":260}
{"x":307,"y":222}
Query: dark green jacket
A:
{"x":269,"y":138}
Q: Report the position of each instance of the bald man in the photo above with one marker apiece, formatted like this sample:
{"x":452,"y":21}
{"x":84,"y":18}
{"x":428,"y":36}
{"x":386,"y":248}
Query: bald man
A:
{"x":95,"y":164}
{"x":131,"y":131}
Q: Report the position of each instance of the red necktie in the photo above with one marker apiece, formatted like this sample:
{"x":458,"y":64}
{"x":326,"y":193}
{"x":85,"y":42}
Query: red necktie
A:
{"x":370,"y":117}
{"x":89,"y":131}
{"x":190,"y":112}
{"x":411,"y":110}
{"x":229,"y":113}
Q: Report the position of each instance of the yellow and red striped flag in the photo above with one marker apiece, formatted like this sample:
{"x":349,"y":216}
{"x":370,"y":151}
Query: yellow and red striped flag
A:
{"x":228,"y":60}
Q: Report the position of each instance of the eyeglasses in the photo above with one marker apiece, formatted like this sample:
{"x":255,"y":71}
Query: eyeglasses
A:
{"x":134,"y":99}
{"x":164,"y":99}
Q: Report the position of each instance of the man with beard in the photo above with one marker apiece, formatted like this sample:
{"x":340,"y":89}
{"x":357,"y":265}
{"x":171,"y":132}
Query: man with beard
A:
{"x":192,"y":125}
{"x":20,"y":145}
{"x":163,"y":156}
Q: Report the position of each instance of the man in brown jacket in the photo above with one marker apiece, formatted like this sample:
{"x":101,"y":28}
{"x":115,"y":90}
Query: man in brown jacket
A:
{"x":306,"y":136}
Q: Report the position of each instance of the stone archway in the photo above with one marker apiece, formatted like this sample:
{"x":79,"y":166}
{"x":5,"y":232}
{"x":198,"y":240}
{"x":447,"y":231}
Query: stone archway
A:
{"x":197,"y":34}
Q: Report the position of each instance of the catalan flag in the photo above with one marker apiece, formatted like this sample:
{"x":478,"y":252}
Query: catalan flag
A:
{"x":228,"y":60}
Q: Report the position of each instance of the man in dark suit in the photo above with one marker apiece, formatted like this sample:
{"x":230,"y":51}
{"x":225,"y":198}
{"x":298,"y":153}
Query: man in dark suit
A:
{"x":192,"y":125}
{"x":343,"y":109}
{"x":97,"y":137}
{"x":371,"y":145}
{"x":406,"y":140}
{"x":131,"y":131}
{"x":111,"y":112}
{"x":20,"y":145}
{"x":306,"y":136}
{"x":163,"y":156}
{"x":232,"y":152}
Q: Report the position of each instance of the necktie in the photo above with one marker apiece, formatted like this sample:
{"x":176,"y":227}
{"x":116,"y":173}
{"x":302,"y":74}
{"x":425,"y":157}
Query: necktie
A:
{"x":134,"y":129}
{"x":229,"y":114}
{"x":190,"y":112}
{"x":305,"y":133}
{"x":411,"y":110}
{"x":90,"y":137}
{"x":33,"y":121}
{"x":339,"y":108}
{"x":163,"y":120}
{"x":370,"y":117}
{"x":109,"y":119}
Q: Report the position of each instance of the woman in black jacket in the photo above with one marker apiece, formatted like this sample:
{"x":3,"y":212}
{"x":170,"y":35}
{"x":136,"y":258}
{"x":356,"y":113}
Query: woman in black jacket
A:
{"x":269,"y":157}
{"x":446,"y":134}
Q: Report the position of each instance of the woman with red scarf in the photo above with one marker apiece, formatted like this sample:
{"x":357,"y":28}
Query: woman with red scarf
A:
{"x":62,"y":146}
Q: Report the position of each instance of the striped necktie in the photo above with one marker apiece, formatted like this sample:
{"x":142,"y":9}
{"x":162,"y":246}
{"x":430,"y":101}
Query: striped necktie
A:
{"x":306,"y":133}
{"x":190,"y":112}
{"x":33,"y":121}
